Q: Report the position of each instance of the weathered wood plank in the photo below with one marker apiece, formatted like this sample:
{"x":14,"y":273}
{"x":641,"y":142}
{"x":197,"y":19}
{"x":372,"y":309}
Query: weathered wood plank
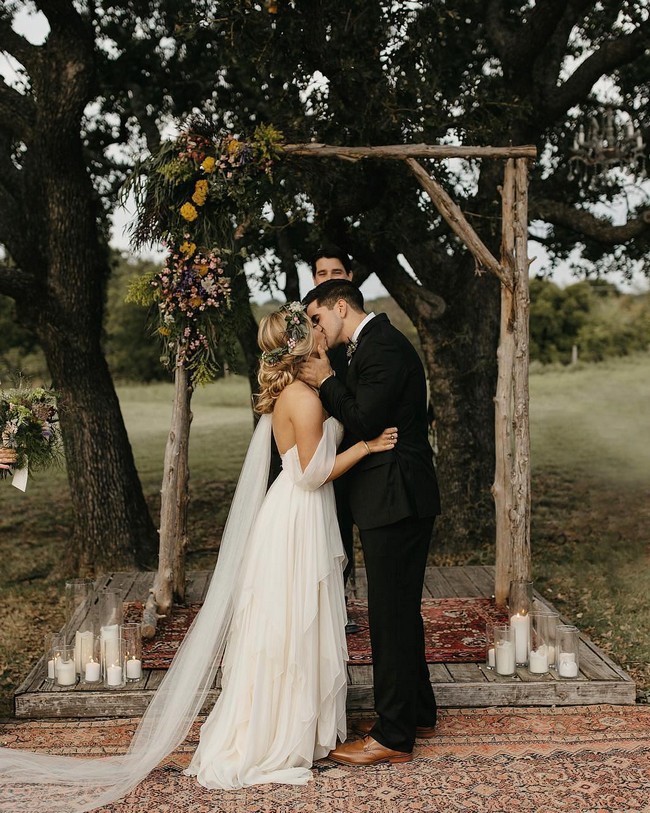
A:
{"x":138,"y":590}
{"x":483,"y":578}
{"x":437,"y":584}
{"x":461,"y":583}
{"x":465,"y":672}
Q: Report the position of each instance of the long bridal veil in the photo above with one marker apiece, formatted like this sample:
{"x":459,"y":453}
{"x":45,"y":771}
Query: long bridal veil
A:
{"x":55,"y":784}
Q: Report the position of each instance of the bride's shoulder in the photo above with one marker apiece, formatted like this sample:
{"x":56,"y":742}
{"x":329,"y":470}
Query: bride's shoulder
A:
{"x":298,"y":393}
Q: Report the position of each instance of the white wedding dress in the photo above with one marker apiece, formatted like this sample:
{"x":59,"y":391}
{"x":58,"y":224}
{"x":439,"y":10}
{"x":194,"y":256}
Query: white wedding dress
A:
{"x":284,"y":678}
{"x":275,"y":610}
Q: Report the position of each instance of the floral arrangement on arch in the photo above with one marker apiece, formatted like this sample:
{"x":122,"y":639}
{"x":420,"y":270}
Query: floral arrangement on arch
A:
{"x":196,"y":195}
{"x":29,"y":433}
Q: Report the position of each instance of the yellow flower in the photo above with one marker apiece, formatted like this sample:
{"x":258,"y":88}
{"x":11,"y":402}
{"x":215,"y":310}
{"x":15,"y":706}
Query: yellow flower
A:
{"x":208,"y":164}
{"x":234,"y":146}
{"x":188,"y":248}
{"x":200,"y":192}
{"x":188,"y":212}
{"x":195,"y":301}
{"x":164,"y":331}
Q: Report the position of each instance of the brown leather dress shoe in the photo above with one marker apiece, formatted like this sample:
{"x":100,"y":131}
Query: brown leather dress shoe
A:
{"x":367,"y":752}
{"x":422,"y":732}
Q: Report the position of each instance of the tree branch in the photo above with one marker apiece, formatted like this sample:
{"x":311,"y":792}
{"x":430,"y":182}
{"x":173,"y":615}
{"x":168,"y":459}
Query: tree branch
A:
{"x":610,"y":55}
{"x":21,"y":50}
{"x":588,"y":225}
{"x":17,"y":112}
{"x":16,"y":283}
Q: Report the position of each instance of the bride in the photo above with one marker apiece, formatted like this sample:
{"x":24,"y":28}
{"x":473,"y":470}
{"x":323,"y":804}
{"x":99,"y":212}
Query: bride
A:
{"x":273,"y":617}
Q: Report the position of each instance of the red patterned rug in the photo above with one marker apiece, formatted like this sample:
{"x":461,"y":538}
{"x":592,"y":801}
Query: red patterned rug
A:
{"x":587,"y":759}
{"x":454,"y":630}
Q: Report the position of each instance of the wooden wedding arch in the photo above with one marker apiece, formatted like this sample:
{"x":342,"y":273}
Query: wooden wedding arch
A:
{"x":511,"y":487}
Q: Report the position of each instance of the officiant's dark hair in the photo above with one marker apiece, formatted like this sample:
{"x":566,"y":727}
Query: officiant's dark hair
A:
{"x":330,"y":252}
{"x":328,"y":294}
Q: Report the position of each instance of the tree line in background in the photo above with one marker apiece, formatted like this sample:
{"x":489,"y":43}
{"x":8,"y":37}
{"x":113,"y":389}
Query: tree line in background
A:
{"x":109,"y":79}
{"x":590,"y":319}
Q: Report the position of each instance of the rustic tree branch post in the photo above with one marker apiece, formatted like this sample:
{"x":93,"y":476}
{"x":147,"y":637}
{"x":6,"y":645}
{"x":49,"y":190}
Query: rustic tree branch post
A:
{"x":520,"y":515}
{"x":503,"y":401}
{"x":169,"y":583}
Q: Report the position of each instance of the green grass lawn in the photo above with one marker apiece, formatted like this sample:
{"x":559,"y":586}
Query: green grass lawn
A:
{"x":591,"y":467}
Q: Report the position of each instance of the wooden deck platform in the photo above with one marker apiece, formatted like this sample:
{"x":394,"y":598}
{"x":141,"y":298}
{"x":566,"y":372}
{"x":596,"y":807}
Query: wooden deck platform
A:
{"x":456,"y":685}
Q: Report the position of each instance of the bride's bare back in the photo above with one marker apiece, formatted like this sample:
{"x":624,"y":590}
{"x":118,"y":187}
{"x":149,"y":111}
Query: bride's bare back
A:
{"x":298,"y":420}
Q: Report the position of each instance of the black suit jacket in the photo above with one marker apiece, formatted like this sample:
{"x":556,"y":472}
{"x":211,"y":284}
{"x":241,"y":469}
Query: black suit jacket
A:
{"x":386,"y":386}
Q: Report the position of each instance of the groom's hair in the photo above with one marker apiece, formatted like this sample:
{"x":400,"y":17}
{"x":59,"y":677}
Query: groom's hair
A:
{"x":328,"y":294}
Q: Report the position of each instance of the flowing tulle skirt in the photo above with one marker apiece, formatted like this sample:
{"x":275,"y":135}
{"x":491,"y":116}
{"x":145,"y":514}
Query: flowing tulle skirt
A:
{"x":284,"y":670}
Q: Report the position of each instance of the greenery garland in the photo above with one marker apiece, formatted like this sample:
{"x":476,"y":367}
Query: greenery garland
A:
{"x":29,"y":432}
{"x":194,"y":195}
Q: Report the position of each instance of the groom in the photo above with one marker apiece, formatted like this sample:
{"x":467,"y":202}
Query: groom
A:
{"x":394,"y":501}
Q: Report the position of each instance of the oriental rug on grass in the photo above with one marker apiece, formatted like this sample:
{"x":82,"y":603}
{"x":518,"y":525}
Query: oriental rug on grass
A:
{"x":587,"y":759}
{"x":454,"y":630}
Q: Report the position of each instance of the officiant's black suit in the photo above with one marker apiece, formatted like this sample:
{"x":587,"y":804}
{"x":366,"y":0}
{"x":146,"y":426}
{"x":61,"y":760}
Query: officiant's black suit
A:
{"x":394,"y":500}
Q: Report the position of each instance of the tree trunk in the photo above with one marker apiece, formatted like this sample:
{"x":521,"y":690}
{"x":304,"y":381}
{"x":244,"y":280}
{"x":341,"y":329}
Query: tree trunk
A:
{"x":461,"y":366}
{"x":60,"y":252}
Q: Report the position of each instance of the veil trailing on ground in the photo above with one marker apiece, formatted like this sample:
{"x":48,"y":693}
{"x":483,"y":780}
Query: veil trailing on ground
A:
{"x":56,"y":784}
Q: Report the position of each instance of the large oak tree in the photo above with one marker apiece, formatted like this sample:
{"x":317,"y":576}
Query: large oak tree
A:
{"x":353,"y":73}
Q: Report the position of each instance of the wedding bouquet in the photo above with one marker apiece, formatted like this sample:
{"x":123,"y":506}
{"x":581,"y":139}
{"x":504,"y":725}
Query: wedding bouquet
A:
{"x":28,"y":429}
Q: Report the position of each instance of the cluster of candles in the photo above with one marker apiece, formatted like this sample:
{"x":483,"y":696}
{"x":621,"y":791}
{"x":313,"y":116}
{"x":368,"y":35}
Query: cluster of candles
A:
{"x":532,"y":639}
{"x":114,"y":656}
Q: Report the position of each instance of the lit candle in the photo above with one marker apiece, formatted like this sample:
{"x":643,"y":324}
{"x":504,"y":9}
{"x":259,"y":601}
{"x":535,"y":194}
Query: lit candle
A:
{"x":491,"y":659}
{"x":114,"y":675}
{"x":134,"y":669}
{"x":50,"y":669}
{"x":504,"y":658}
{"x":538,"y":661}
{"x":66,"y":674}
{"x":521,"y":626}
{"x":92,"y":671}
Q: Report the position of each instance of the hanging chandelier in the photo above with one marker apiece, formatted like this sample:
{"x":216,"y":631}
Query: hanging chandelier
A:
{"x":606,"y":143}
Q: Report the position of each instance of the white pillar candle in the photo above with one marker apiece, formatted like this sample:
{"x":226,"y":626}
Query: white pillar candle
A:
{"x":110,"y":643}
{"x":92,"y":671}
{"x":114,"y":675}
{"x":538,"y":661}
{"x":568,"y":669}
{"x":491,"y":660}
{"x":66,"y":674}
{"x":134,"y":669}
{"x":551,"y":654}
{"x":50,"y":669}
{"x":521,"y":626}
{"x":504,"y":658}
{"x":83,"y":649}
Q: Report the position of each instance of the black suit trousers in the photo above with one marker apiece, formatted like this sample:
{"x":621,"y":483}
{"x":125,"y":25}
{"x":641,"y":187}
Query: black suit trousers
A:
{"x":395,"y":558}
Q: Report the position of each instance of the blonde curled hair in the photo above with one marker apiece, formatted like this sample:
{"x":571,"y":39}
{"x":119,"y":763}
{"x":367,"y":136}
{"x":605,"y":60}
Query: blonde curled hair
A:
{"x":285,"y":338}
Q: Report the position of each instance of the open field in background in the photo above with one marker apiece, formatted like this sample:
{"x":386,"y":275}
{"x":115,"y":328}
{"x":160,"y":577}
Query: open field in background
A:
{"x":591,"y":507}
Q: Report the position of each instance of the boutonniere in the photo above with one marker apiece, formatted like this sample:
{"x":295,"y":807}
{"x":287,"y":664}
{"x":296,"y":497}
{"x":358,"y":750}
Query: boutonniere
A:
{"x":349,"y":350}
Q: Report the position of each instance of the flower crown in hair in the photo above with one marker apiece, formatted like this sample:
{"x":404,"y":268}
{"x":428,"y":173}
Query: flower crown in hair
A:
{"x":295,"y":331}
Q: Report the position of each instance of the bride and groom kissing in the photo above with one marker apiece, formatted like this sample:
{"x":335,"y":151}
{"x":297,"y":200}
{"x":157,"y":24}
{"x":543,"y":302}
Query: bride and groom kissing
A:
{"x":274,"y":616}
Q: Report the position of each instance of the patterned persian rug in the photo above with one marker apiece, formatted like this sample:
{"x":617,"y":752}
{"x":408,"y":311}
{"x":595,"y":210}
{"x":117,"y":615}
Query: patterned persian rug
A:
{"x":454,"y":630}
{"x":588,"y":759}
